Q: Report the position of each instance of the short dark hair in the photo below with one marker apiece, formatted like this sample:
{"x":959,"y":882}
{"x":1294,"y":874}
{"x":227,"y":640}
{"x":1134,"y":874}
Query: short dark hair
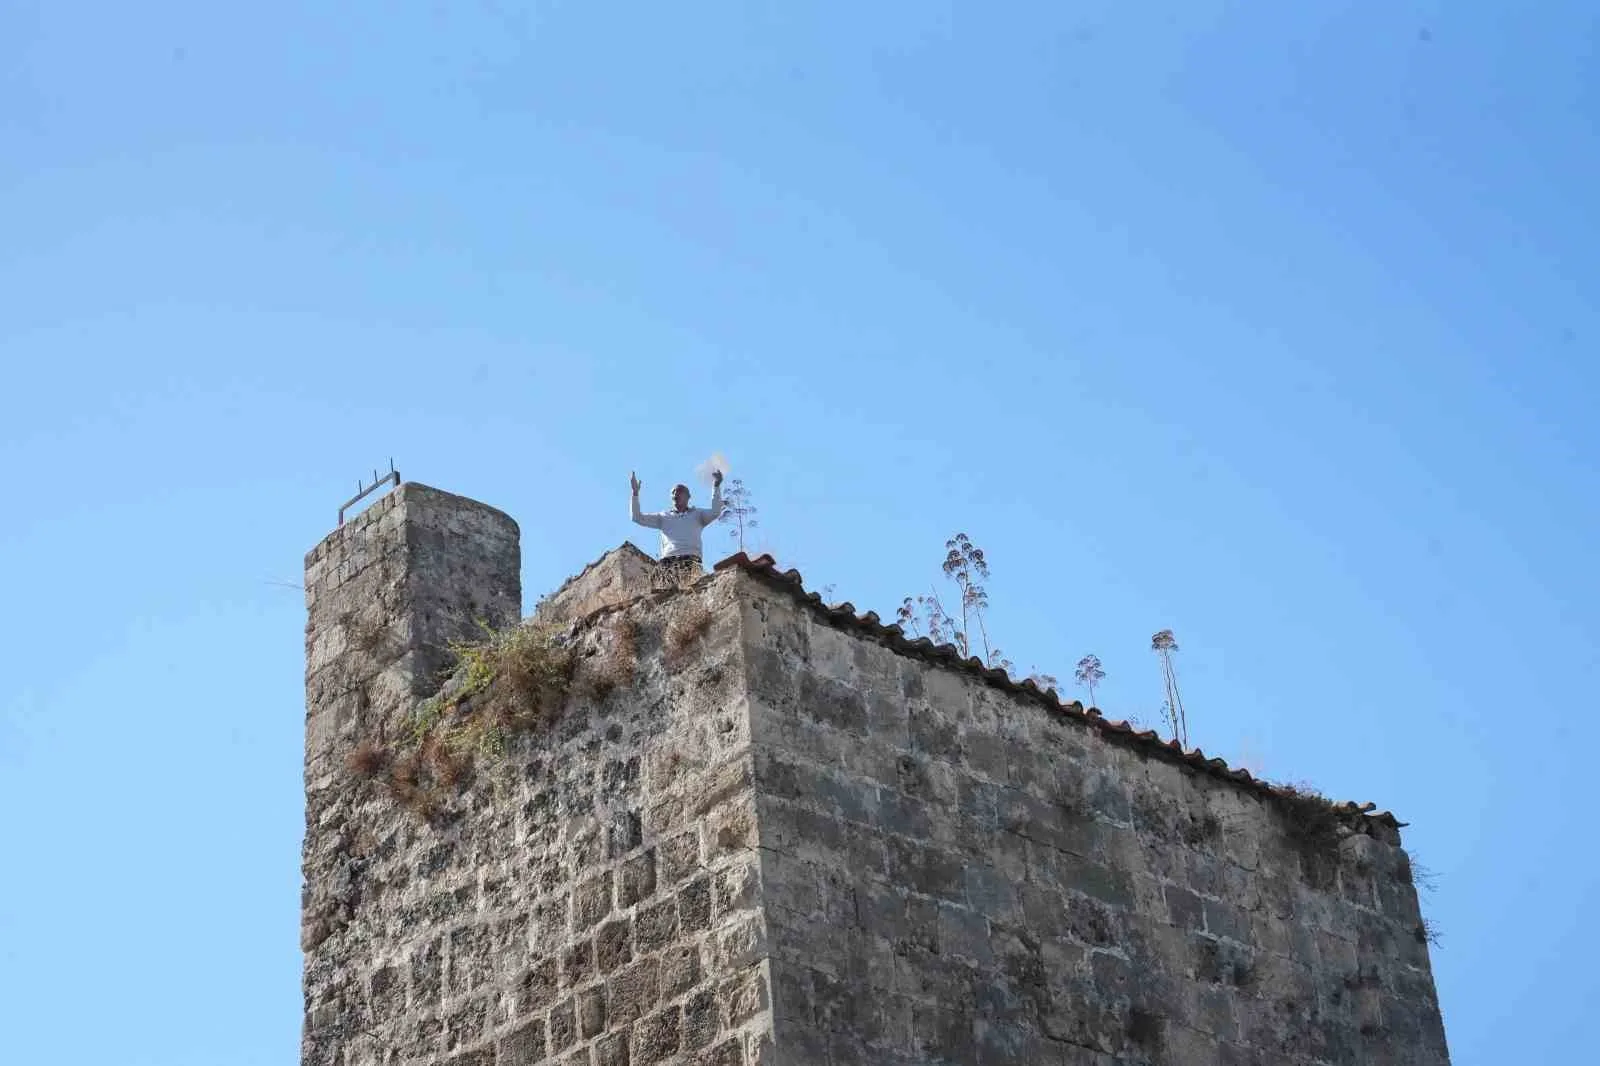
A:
{"x":679,"y":485}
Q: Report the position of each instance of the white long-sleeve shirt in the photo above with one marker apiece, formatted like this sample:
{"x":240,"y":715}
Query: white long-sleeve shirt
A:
{"x":680,"y":530}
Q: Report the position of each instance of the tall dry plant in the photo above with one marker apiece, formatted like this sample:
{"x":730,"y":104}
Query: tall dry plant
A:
{"x":739,"y":511}
{"x":966,"y":566}
{"x":1089,"y":674}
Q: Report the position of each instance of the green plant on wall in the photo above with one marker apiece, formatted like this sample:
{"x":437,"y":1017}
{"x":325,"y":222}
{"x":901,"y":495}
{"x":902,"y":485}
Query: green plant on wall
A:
{"x":506,"y":683}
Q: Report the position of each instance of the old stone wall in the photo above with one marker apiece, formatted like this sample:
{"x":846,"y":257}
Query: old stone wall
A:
{"x":756,"y":832}
{"x":589,"y":896}
{"x":957,"y":874}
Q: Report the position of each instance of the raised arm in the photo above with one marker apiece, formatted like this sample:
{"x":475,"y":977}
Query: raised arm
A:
{"x":710,"y":514}
{"x":651,"y":521}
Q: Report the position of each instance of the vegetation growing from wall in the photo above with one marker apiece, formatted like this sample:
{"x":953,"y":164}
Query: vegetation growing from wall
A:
{"x":1315,"y":826}
{"x":966,"y":566}
{"x":506,"y":684}
{"x":739,"y":511}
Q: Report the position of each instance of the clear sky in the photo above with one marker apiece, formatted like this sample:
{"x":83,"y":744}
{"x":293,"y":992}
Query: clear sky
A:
{"x":1274,"y":324}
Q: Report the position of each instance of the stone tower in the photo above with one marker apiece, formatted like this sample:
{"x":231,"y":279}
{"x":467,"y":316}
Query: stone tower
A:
{"x":759,"y":830}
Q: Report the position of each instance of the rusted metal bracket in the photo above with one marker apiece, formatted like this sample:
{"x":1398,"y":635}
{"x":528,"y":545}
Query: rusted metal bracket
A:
{"x":392,"y":477}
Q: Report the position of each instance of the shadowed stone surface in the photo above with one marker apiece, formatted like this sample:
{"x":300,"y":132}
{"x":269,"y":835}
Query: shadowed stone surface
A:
{"x":951,"y":873}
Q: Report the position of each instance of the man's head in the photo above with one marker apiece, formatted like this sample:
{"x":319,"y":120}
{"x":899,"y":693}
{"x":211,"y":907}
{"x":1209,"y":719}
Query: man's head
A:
{"x":680,"y":497}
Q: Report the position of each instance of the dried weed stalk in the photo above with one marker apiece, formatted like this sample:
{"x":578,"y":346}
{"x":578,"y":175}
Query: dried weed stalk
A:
{"x":685,"y":630}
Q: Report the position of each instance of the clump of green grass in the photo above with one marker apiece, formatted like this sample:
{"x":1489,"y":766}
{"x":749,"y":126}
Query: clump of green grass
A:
{"x":508,"y":683}
{"x":511,"y":681}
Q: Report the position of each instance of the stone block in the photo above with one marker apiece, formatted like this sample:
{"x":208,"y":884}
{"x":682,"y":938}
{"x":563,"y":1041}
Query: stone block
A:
{"x":740,"y":943}
{"x":577,"y":963}
{"x":466,"y":1023}
{"x":718,"y":785}
{"x":656,"y":925}
{"x":1064,"y":828}
{"x":964,"y":933}
{"x":700,"y":1020}
{"x":613,"y":944}
{"x":427,"y":973}
{"x":694,"y":905}
{"x":637,"y":880}
{"x":657,"y":1037}
{"x":729,"y":1052}
{"x":833,"y":704}
{"x":1076,"y":874}
{"x":927,"y":870}
{"x":743,"y":996}
{"x":680,"y":969}
{"x":678,"y":858}
{"x":732,"y":828}
{"x":902,"y":815}
{"x":562,"y":1026}
{"x":736,"y":888}
{"x":536,"y":986}
{"x":888,"y":721}
{"x":1184,"y":909}
{"x":633,"y":992}
{"x":1221,"y":920}
{"x":612,"y":1049}
{"x":987,"y":755}
{"x":591,"y":902}
{"x":935,"y":735}
{"x":471,"y":959}
{"x":945,"y":1032}
{"x":591,"y":1012}
{"x":386,"y":993}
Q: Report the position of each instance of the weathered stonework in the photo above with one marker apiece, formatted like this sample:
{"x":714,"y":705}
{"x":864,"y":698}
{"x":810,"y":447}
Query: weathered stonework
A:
{"x":785,"y":842}
{"x":952,"y":873}
{"x":590,"y":898}
{"x":618,"y":576}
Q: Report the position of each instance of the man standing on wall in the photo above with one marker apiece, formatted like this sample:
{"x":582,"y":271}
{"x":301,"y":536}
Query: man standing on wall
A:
{"x":680,"y":530}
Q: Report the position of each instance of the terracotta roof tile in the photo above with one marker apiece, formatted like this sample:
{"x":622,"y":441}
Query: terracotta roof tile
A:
{"x":843,"y":616}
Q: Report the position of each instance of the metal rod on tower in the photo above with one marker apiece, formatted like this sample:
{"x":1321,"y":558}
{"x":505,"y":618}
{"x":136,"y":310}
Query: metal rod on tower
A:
{"x":392,"y":477}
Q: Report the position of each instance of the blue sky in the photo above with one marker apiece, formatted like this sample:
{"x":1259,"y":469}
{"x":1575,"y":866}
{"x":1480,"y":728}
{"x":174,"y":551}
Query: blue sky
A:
{"x":1270,"y":323}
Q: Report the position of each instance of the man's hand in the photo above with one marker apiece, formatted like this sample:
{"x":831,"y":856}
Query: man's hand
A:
{"x":633,"y":480}
{"x":716,"y":479}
